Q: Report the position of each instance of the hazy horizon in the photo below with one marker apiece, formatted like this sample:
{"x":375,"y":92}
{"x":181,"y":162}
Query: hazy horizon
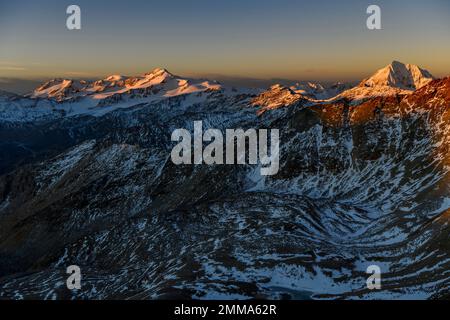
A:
{"x":22,"y":86}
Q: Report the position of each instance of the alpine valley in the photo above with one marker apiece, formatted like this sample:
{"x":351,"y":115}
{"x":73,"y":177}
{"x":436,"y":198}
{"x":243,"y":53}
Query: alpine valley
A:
{"x":86,"y":179}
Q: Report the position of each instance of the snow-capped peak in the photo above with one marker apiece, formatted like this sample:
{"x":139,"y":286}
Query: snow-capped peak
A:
{"x":399,"y":75}
{"x":395,"y":79}
{"x":158,"y":72}
{"x":59,"y":88}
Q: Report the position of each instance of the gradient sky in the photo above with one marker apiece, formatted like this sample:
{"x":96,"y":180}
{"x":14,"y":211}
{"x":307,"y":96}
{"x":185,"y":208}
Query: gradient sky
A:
{"x":299,"y":40}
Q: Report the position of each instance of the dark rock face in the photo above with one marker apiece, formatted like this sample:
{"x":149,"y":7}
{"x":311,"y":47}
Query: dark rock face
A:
{"x":357,"y":186}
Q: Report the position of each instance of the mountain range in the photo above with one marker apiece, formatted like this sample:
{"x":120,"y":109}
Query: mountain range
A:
{"x":86,"y":179}
{"x":74,"y":97}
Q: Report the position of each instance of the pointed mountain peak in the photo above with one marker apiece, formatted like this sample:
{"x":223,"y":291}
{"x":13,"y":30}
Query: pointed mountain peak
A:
{"x":399,"y":75}
{"x":397,"y":63}
{"x":158,"y":72}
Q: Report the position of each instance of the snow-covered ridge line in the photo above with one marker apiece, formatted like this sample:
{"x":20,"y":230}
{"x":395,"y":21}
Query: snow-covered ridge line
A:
{"x":396,"y":77}
{"x":159,"y":81}
{"x":66,"y":97}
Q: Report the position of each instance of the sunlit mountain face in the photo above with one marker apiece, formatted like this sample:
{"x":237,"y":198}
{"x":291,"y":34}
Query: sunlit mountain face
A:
{"x":86,"y":179}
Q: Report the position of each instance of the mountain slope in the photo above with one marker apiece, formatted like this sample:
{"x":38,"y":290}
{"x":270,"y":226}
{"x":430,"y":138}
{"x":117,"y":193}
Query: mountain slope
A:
{"x":66,"y":98}
{"x":358,"y":185}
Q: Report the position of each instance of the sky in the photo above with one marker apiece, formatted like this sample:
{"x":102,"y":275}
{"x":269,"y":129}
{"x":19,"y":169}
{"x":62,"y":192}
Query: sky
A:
{"x":241,"y":40}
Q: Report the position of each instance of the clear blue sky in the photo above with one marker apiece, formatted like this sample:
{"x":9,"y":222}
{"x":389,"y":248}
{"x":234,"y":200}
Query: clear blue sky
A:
{"x":302,"y":40}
